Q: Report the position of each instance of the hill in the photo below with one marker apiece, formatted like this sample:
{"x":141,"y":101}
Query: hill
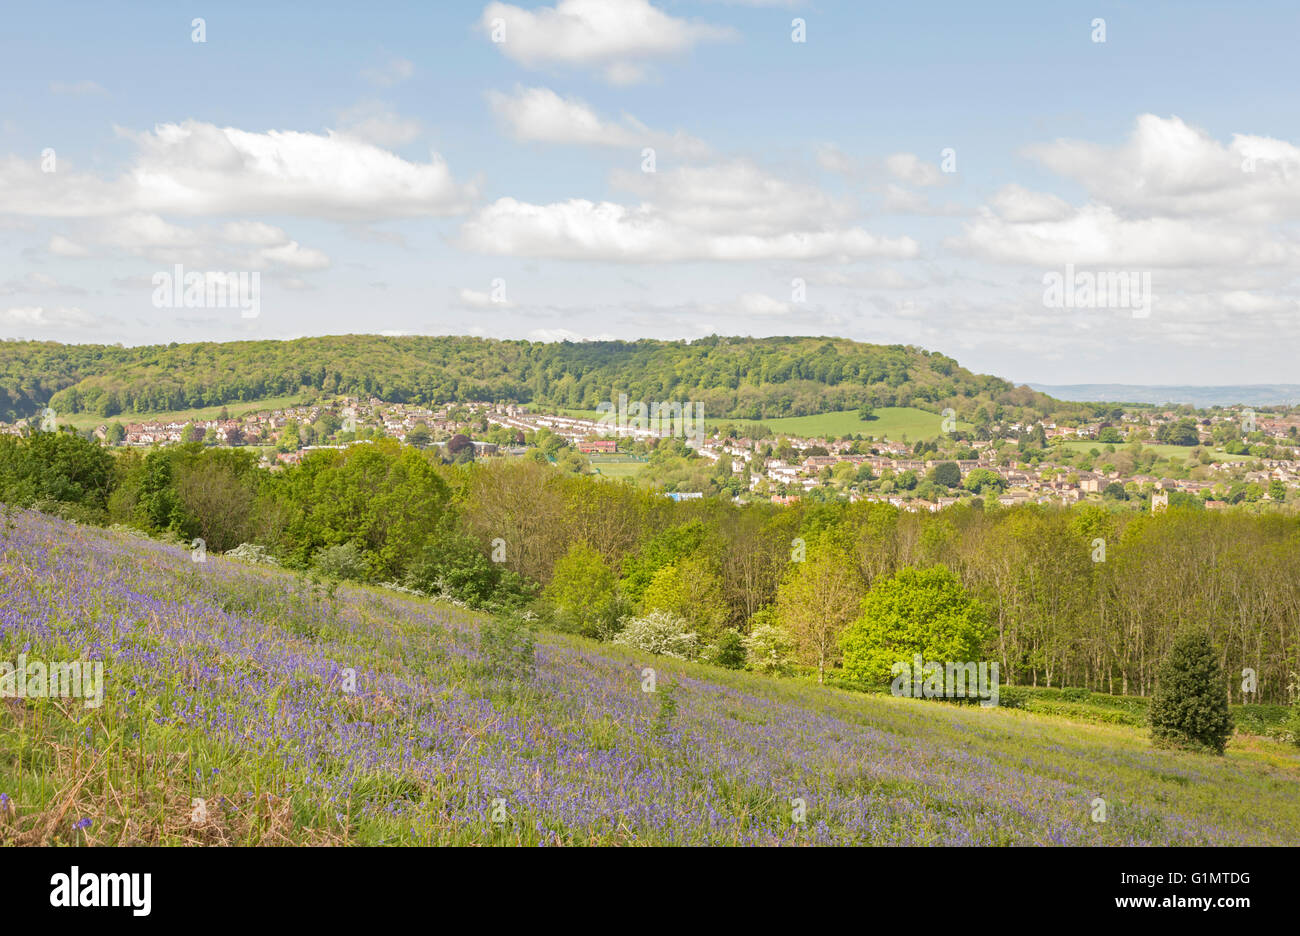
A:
{"x":1199,"y":397}
{"x":232,"y":683}
{"x":734,"y":378}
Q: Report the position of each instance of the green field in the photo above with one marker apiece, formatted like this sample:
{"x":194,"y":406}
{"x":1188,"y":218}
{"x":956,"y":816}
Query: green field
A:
{"x":1164,"y":451}
{"x":891,"y":422}
{"x":617,"y":466}
{"x":894,"y":423}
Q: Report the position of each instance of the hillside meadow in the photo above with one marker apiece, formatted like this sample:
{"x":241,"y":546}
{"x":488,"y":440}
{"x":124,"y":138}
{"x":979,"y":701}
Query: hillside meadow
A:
{"x":230,"y":717}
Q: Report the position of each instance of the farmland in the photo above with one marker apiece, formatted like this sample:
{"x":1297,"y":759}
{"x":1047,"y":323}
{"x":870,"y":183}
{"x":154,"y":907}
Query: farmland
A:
{"x":228,"y":718}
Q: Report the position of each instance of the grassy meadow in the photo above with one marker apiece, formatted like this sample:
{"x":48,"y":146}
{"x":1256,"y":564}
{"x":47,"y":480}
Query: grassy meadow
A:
{"x":889,"y":422}
{"x":230,"y":717}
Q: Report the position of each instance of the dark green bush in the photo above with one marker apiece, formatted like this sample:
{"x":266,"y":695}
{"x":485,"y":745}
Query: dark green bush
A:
{"x":1190,"y":706}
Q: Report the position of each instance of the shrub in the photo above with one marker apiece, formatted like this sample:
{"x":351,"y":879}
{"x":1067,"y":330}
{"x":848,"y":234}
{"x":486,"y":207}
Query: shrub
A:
{"x":452,"y":564}
{"x":768,"y":649}
{"x":507,"y":649}
{"x":340,"y":562}
{"x":1291,"y":726}
{"x":1190,"y":707}
{"x":729,"y":651}
{"x":251,"y":552}
{"x":584,"y":591}
{"x":662,"y":633}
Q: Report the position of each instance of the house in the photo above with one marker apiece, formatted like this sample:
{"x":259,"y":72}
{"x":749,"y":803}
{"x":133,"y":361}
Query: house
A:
{"x":598,"y":446}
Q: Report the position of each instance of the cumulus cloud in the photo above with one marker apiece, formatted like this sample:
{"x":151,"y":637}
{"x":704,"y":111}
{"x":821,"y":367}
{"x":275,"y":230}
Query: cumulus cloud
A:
{"x":1171,"y":168}
{"x":541,"y":115}
{"x":198,"y":168}
{"x":730,"y":211}
{"x":1019,"y":205}
{"x":46,"y":317}
{"x":582,"y":230}
{"x":616,"y":36}
{"x":1170,"y":197}
{"x":239,"y":245}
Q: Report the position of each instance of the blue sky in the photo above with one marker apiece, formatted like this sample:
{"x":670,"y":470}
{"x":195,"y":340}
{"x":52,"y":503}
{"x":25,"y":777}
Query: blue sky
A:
{"x":390,"y":167}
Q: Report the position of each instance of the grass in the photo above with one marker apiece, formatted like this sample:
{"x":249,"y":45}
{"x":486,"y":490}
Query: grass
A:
{"x":617,"y":466}
{"x":1162,"y":450}
{"x":894,"y":423}
{"x":227,"y":689}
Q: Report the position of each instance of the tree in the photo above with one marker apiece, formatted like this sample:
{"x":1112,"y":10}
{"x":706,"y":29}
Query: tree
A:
{"x":816,"y":600}
{"x":925,"y":611}
{"x":1190,"y":706}
{"x":584,"y":590}
{"x":984,"y":481}
{"x":419,"y":435}
{"x":690,"y":589}
{"x":948,"y":474}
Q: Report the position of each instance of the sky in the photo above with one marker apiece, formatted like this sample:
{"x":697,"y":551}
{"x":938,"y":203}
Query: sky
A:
{"x":922,"y":174}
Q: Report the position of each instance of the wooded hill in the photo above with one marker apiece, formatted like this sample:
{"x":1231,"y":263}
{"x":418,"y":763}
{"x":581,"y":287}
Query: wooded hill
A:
{"x":740,"y":378}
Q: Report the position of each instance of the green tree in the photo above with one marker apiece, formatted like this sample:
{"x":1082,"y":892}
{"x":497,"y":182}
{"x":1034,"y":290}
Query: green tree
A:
{"x":690,"y":589}
{"x":925,"y":611}
{"x":816,"y":599}
{"x":947,"y":474}
{"x":1190,"y":706}
{"x":584,"y":591}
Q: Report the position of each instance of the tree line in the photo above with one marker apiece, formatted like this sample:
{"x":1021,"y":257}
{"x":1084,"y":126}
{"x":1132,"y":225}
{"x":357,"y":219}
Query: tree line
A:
{"x":1080,"y":597}
{"x":735,"y":378}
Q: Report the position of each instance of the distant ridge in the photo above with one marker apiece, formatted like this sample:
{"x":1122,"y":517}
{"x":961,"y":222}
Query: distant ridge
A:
{"x":1229,"y":395}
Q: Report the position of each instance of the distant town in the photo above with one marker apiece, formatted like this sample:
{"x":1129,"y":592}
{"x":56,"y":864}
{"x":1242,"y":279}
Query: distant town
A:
{"x":1141,"y":455}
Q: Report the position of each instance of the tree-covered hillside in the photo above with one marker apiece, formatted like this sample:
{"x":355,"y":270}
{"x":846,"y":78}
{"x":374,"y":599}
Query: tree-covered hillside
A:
{"x":749,"y":378}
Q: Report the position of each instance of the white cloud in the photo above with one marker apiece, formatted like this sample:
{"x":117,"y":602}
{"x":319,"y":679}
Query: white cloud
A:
{"x":734,"y":197}
{"x":375,"y":122}
{"x":833,"y":159}
{"x":909,"y":168}
{"x":475,"y":299}
{"x":899,"y":200}
{"x":44,"y":317}
{"x":541,"y":115}
{"x":760,"y":304}
{"x":235,"y":245}
{"x":197,"y":168}
{"x":1097,"y":235}
{"x":616,"y":36}
{"x":1019,"y":205}
{"x":583,"y":230}
{"x":36,"y":282}
{"x":1169,"y":167}
{"x":61,"y":246}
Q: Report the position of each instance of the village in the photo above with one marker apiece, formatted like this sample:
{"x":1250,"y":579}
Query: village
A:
{"x":1073,"y":464}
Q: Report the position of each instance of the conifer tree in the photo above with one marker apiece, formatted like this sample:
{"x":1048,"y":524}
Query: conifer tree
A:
{"x":1190,"y":707}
